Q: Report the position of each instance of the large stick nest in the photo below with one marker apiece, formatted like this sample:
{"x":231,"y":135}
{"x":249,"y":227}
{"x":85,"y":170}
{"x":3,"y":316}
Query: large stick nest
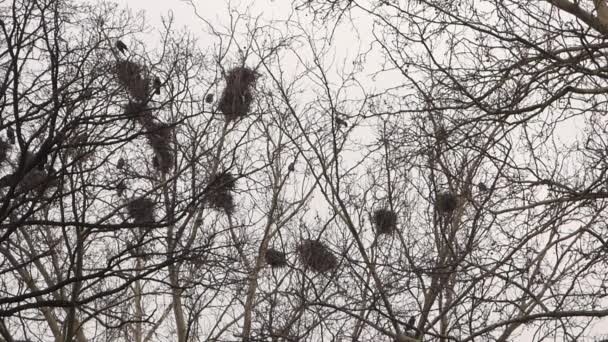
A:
{"x":237,"y":96}
{"x":317,"y":256}
{"x":385,"y":221}
{"x":141,"y":210}
{"x":131,"y":76}
{"x":275,"y":258}
{"x":446,"y":202}
{"x":218,"y":191}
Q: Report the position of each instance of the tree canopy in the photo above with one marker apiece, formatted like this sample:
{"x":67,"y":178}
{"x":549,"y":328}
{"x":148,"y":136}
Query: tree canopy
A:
{"x":374,"y":170}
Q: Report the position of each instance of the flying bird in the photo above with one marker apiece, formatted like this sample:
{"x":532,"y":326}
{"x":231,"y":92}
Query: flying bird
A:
{"x":157,"y":85}
{"x":122,"y":47}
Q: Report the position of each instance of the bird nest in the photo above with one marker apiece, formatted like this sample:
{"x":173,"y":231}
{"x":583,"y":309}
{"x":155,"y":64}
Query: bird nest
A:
{"x":446,"y":202}
{"x":275,"y":258}
{"x":141,"y":210}
{"x":130,"y":76}
{"x":218,"y":192}
{"x":385,"y":221}
{"x":315,"y":255}
{"x":237,"y":96}
{"x":223,"y":181}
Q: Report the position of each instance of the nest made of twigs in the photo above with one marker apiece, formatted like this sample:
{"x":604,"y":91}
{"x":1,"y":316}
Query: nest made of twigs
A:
{"x":223,"y":181}
{"x":385,"y":221}
{"x":275,"y":258}
{"x":141,"y":210}
{"x":317,"y":256}
{"x":221,"y":200}
{"x":446,"y":202}
{"x":237,"y":96}
{"x":132,"y":77}
{"x":35,"y":179}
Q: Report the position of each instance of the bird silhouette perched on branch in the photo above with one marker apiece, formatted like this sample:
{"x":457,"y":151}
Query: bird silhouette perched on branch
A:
{"x":122,"y":47}
{"x":157,"y":85}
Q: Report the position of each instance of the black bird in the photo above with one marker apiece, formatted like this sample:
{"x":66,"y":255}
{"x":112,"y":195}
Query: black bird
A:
{"x":121,"y":46}
{"x":157,"y":85}
{"x":482,"y":187}
{"x":341,"y":122}
{"x":10,"y":134}
{"x":120,"y":164}
{"x":209,"y":98}
{"x":291,"y":167}
{"x":121,"y":187}
{"x":411,"y":322}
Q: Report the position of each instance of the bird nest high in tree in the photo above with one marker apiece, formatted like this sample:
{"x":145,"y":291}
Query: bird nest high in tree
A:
{"x":237,"y":96}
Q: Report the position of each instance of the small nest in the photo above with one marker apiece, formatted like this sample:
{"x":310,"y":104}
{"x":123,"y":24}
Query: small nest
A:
{"x":4,"y":149}
{"x":160,"y":138}
{"x":275,"y":258}
{"x":385,"y":221}
{"x":141,"y":210}
{"x":237,"y":96}
{"x":222,"y":200}
{"x":446,"y":202}
{"x":218,"y":192}
{"x":317,"y":256}
{"x":130,"y":75}
{"x":224,"y":181}
{"x":441,"y":135}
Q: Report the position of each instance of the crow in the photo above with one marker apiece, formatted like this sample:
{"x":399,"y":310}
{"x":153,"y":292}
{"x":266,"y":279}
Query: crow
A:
{"x":121,"y":187}
{"x":10,"y":134}
{"x":482,"y":187}
{"x":157,"y":86}
{"x":120,"y":164}
{"x":341,"y":122}
{"x":411,"y":322}
{"x":121,"y":46}
{"x":209,"y":98}
{"x":291,"y":167}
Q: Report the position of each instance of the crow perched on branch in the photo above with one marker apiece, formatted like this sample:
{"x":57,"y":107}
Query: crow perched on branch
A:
{"x":157,"y":85}
{"x":10,"y":135}
{"x":122,"y":47}
{"x":341,"y":122}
